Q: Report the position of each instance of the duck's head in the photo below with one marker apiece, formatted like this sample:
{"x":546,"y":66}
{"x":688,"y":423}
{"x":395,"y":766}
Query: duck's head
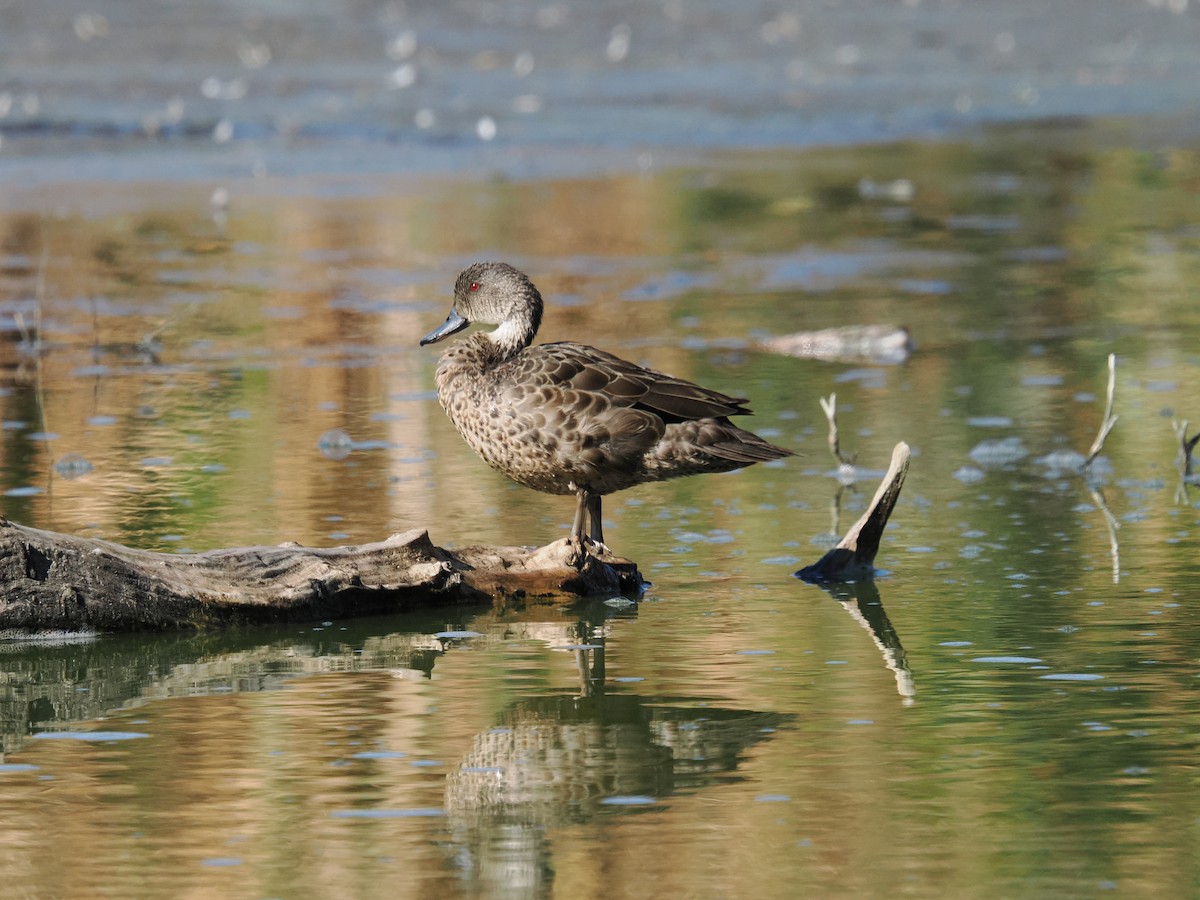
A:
{"x":493,"y":293}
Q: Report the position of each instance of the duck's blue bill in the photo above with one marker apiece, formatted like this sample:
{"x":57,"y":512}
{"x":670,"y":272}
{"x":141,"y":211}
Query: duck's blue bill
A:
{"x":454,"y":323}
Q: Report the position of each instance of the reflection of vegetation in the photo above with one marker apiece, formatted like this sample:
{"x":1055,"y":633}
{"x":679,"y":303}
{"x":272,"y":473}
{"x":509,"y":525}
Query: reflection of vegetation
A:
{"x":1015,"y":256}
{"x":1151,"y":171}
{"x":838,"y":197}
{"x":1021,"y":261}
{"x":722,"y":205}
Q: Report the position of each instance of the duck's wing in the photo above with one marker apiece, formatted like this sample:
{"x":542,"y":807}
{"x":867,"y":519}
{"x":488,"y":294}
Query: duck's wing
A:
{"x":590,"y":371}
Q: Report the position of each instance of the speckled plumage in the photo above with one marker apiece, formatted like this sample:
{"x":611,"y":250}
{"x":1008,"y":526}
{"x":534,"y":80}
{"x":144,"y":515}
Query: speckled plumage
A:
{"x":566,"y":418}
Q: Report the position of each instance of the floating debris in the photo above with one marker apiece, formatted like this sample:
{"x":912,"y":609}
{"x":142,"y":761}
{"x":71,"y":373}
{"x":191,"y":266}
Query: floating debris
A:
{"x":95,"y":736}
{"x":969,"y":475}
{"x":619,"y":602}
{"x":1059,"y":461}
{"x":72,"y":466}
{"x":335,"y":444}
{"x":629,"y":800}
{"x":901,"y":190}
{"x":884,"y":345}
{"x":998,"y":452}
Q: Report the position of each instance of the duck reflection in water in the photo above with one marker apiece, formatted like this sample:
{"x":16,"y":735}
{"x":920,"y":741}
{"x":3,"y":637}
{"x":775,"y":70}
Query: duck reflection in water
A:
{"x":562,"y":759}
{"x":566,"y":418}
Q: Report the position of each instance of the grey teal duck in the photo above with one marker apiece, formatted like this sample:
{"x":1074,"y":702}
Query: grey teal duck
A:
{"x":567,"y":418}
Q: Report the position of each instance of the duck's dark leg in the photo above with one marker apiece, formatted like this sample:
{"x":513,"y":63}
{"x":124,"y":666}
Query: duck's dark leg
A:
{"x":593,"y":508}
{"x":581,"y":505}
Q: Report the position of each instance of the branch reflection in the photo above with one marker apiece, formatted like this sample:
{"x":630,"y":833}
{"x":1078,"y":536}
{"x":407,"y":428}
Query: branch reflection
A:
{"x":861,"y":599}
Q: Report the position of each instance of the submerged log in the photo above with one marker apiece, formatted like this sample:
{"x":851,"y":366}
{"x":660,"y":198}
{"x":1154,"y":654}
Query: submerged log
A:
{"x":854,"y":556}
{"x":53,"y":582}
{"x":884,"y":345}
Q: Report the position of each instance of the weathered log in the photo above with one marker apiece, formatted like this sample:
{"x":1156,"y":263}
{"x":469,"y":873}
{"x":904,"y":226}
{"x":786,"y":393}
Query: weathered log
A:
{"x":56,"y":582}
{"x":854,"y":556}
{"x":884,"y":345}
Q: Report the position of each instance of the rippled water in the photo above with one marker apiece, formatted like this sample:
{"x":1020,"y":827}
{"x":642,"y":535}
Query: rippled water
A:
{"x":1010,"y":711}
{"x":126,"y":90}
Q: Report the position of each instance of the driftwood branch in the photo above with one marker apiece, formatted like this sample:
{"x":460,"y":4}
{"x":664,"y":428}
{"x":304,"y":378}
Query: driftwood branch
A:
{"x":854,"y":556}
{"x":60,"y":583}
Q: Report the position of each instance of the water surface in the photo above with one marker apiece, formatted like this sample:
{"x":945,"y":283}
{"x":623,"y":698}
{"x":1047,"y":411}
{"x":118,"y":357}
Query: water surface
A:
{"x":1009,"y":711}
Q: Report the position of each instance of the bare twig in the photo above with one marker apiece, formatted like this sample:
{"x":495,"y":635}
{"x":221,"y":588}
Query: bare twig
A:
{"x":1109,"y":419}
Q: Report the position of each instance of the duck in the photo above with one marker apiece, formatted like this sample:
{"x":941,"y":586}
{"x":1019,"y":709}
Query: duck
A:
{"x":567,"y":418}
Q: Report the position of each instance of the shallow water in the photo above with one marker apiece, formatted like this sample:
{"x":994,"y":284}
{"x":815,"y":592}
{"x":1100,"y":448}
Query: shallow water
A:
{"x":128,"y":90}
{"x":1010,"y":710}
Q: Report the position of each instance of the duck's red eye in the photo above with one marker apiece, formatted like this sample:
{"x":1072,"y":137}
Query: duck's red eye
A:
{"x":474,"y":285}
